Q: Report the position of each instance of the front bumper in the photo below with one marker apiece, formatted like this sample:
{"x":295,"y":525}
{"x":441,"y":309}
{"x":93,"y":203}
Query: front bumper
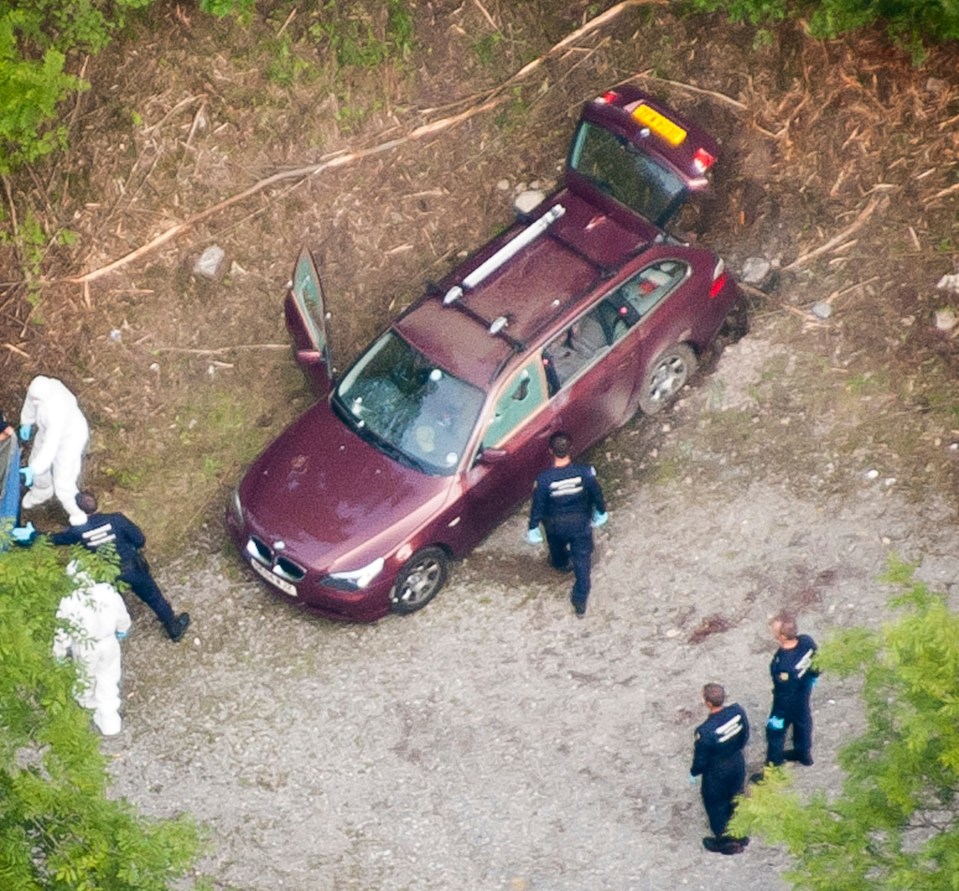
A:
{"x":300,"y":587}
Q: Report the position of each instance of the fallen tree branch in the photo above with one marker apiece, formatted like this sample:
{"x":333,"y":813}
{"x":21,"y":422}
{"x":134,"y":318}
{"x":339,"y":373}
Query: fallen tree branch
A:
{"x":219,"y":351}
{"x":857,"y":224}
{"x":496,"y":97}
{"x":942,"y":193}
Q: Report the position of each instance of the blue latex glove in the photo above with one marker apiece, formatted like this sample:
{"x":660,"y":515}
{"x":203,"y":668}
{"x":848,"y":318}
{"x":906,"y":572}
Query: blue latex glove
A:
{"x":121,"y":635}
{"x":775,"y":723}
{"x":27,"y":475}
{"x":693,"y":780}
{"x":24,"y":534}
{"x":599,"y":519}
{"x":26,"y":431}
{"x":534,"y":536}
{"x":814,"y":681}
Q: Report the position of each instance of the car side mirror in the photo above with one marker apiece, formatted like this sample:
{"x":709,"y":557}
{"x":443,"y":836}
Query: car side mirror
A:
{"x":492,"y":456}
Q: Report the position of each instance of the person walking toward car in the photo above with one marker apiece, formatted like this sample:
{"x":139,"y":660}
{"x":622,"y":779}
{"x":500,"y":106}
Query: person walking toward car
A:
{"x":793,"y":676}
{"x":568,"y":502}
{"x":56,"y":456}
{"x":100,"y":530}
{"x":718,"y":759}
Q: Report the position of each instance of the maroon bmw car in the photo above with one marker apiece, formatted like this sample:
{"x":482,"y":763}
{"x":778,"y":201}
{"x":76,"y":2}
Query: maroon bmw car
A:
{"x":582,"y":313}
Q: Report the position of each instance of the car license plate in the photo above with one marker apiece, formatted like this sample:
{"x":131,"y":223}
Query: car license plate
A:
{"x":660,"y":125}
{"x":285,"y":586}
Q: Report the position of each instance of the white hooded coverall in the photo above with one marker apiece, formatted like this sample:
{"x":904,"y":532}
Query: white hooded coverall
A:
{"x":56,"y":457}
{"x":91,"y":617}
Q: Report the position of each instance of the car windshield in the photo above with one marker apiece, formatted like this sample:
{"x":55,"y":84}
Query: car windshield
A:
{"x":617,"y":167}
{"x":408,"y":407}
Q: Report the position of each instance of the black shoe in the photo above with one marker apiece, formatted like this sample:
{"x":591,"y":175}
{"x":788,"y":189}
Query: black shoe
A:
{"x":580,"y":610}
{"x":568,"y":567}
{"x":177,"y":628}
{"x":713,"y":845}
{"x":731,"y":846}
{"x":798,"y":758}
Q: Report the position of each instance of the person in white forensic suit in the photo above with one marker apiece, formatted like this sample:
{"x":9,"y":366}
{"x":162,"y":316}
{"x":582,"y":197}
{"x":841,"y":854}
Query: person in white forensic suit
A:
{"x":94,"y":619}
{"x":56,"y":456}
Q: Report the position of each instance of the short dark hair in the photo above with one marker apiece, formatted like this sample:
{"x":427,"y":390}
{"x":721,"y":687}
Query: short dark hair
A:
{"x":788,"y":627}
{"x":714,"y":695}
{"x":87,"y":502}
{"x":560,"y":444}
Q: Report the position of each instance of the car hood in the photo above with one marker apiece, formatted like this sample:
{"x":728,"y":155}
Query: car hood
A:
{"x":330,"y":496}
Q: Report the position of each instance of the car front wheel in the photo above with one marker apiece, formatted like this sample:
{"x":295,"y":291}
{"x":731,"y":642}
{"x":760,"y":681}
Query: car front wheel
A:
{"x":666,"y":376}
{"x":420,"y":580}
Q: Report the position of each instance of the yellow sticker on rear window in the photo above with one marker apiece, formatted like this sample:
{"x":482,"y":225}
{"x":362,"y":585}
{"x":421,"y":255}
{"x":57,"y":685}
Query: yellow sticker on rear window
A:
{"x":660,"y":125}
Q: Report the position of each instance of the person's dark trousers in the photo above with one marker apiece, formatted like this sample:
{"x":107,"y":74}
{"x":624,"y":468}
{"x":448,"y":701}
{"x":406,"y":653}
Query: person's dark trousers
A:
{"x":573,"y":546}
{"x":801,"y":723}
{"x":142,"y":584}
{"x":721,"y":785}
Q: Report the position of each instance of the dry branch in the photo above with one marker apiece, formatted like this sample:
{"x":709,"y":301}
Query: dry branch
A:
{"x":495,"y":97}
{"x":839,"y":239}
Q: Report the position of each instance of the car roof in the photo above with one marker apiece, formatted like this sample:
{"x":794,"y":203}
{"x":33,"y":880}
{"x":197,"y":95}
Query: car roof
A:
{"x":550,"y":278}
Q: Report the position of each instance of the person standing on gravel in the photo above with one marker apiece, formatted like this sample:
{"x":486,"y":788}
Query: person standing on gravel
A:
{"x":568,"y":501}
{"x":100,"y":530}
{"x":793,"y":676}
{"x":718,"y":759}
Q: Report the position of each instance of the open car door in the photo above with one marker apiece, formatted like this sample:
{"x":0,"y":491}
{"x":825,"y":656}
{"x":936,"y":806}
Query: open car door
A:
{"x":306,"y":319}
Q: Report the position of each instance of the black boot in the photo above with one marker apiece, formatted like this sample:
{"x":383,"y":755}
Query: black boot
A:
{"x":177,"y":628}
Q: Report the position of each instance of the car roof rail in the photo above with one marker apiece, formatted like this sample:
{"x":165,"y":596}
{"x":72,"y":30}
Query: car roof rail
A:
{"x":504,"y":254}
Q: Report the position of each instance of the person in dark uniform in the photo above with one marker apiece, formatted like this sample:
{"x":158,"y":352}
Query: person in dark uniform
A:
{"x":105,"y":529}
{"x":568,"y":501}
{"x":718,"y":759}
{"x":793,"y":676}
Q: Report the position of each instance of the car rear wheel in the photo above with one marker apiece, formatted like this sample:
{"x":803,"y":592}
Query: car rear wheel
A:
{"x":420,"y":580}
{"x":666,"y":376}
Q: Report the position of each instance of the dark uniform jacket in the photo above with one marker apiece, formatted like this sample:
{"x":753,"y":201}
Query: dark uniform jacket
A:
{"x":104,"y":529}
{"x":792,"y":673}
{"x":720,"y":739}
{"x":564,"y":498}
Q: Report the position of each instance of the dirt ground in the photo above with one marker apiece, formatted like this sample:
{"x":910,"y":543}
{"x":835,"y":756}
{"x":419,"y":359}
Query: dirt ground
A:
{"x":493,"y":741}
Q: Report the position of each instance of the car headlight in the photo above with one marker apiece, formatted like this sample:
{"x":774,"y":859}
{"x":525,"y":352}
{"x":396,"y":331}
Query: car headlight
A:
{"x":356,"y":579}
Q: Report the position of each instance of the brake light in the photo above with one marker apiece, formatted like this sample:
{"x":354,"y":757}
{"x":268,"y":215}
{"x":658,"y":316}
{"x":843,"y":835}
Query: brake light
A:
{"x":719,"y":279}
{"x":610,"y":97}
{"x":702,"y":160}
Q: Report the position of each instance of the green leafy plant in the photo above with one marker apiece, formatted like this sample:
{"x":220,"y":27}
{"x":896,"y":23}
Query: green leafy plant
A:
{"x":352,"y":33}
{"x":908,"y":21}
{"x":895,"y":822}
{"x":241,"y":9}
{"x":59,"y":828}
{"x":36,"y":39}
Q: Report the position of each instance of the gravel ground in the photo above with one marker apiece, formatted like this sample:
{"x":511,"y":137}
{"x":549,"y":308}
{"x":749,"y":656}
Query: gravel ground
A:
{"x":493,"y":741}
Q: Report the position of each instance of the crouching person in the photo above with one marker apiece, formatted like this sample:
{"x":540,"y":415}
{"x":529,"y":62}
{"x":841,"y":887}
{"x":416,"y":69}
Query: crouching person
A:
{"x":94,"y":619}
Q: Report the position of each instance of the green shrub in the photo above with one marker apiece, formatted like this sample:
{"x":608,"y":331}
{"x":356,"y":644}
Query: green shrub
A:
{"x":36,"y":38}
{"x":59,"y":829}
{"x":913,"y":21}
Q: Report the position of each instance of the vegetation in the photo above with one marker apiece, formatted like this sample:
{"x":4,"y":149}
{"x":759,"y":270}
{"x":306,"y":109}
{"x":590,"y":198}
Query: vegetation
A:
{"x":913,"y":21}
{"x":895,"y":823}
{"x":36,"y":38}
{"x":58,"y":829}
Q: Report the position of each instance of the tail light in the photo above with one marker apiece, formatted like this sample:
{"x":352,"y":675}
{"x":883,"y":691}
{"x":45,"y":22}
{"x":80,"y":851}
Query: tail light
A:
{"x":610,"y":97}
{"x":720,"y":277}
{"x":702,"y":160}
